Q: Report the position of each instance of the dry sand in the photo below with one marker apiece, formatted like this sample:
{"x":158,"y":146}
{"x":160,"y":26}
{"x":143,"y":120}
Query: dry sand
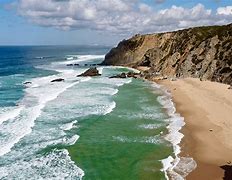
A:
{"x":207,"y":109}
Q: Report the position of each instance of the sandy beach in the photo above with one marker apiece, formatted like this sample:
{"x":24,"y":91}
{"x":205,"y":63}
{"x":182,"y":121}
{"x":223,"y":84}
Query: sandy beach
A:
{"x":207,"y":109}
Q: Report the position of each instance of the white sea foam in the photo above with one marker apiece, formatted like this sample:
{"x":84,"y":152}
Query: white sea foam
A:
{"x":56,"y":165}
{"x":71,"y":59}
{"x":84,"y":79}
{"x":9,"y":113}
{"x":68,"y":126}
{"x":176,"y":122}
{"x":100,"y":70}
{"x":72,"y":140}
{"x":40,"y":104}
{"x":150,"y":126}
{"x":110,"y":108}
{"x":146,"y":140}
{"x":33,"y":102}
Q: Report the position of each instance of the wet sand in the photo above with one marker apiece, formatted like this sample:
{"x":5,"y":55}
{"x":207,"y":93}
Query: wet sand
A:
{"x":207,"y":109}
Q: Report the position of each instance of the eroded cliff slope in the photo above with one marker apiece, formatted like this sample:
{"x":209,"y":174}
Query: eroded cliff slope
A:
{"x":202,"y":52}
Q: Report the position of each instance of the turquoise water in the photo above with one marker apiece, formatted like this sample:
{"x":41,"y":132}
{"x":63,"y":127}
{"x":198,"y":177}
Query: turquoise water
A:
{"x":126,"y":143}
{"x":82,"y":128}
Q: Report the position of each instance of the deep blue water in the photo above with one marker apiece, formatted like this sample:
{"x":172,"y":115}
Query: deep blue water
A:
{"x":18,"y":63}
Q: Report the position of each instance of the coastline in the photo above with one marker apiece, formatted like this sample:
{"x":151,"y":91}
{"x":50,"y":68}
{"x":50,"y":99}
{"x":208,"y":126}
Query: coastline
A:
{"x":207,"y":110}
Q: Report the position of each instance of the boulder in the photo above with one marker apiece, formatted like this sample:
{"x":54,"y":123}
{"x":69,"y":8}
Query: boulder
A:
{"x":76,"y":64}
{"x":69,"y":65}
{"x":133,"y":75}
{"x":58,"y":80}
{"x":90,"y":72}
{"x":27,"y":82}
{"x":122,"y":75}
{"x":125,"y":75}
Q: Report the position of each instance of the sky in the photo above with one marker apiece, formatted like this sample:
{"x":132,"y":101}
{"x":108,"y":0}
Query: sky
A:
{"x":103,"y":22}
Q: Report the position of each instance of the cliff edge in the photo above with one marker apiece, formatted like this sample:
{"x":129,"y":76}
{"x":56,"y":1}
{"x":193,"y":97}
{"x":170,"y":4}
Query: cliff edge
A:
{"x":201,"y":52}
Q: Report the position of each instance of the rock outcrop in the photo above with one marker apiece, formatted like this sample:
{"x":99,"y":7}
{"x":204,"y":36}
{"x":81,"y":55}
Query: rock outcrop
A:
{"x":58,"y":80}
{"x":122,"y":76}
{"x":27,"y":82}
{"x":201,"y":52}
{"x":127,"y":75}
{"x":90,"y":72}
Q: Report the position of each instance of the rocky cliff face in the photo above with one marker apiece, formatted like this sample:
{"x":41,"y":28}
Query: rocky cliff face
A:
{"x":202,"y":52}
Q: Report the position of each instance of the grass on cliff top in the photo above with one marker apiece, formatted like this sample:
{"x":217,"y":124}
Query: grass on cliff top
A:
{"x":211,"y":31}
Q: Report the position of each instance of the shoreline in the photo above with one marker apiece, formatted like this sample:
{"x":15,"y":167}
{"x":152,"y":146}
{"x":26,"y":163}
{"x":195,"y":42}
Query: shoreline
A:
{"x":207,"y":110}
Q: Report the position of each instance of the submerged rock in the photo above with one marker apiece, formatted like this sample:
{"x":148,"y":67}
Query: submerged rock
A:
{"x":58,"y":80}
{"x":133,"y":75}
{"x":27,"y":82}
{"x":122,"y":75}
{"x":90,"y":72}
{"x":125,"y":75}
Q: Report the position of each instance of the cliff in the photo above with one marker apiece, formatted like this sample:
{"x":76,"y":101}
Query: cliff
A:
{"x":201,"y":52}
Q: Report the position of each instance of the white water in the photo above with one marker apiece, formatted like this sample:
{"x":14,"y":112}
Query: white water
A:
{"x":43,"y":116}
{"x":22,"y":120}
{"x":172,"y":165}
{"x":9,"y":113}
{"x":68,"y":126}
{"x":72,"y":59}
{"x":42,"y":120}
{"x":56,"y":165}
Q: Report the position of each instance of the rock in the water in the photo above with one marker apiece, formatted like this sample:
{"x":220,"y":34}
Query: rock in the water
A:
{"x":129,"y":75}
{"x":69,"y":65}
{"x":122,"y":75}
{"x":76,"y":64}
{"x":27,"y":82}
{"x":90,"y":72}
{"x":133,"y":75}
{"x":58,"y":80}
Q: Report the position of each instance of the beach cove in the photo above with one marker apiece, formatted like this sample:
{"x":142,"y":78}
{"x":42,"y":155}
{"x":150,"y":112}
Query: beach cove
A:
{"x":56,"y":123}
{"x":207,"y":111}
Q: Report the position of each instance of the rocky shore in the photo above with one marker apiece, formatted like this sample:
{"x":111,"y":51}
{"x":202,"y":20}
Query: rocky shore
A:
{"x":185,"y":62}
{"x":201,"y":52}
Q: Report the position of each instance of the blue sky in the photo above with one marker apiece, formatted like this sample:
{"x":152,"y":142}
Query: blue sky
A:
{"x":40,"y":22}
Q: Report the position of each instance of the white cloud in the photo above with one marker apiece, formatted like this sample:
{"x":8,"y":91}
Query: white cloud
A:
{"x":118,"y":16}
{"x":225,"y":10}
{"x":144,"y":8}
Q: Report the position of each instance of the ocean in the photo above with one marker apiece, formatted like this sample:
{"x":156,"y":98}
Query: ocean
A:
{"x":85,"y":127}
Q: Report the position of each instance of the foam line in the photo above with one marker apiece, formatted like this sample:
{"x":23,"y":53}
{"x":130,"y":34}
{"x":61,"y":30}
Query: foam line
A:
{"x":10,"y":114}
{"x":54,"y":165}
{"x":71,"y":59}
{"x":40,"y":97}
{"x":176,"y":122}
